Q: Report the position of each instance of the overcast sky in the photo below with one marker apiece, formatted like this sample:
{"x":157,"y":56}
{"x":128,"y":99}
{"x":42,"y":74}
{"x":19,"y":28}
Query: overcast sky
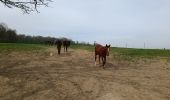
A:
{"x":118,"y":22}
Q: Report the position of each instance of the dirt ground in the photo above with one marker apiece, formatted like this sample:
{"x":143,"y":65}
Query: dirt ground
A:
{"x":73,"y":76}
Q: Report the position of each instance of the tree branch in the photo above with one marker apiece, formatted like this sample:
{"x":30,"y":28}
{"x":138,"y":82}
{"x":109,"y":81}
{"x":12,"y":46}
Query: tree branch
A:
{"x":25,"y":5}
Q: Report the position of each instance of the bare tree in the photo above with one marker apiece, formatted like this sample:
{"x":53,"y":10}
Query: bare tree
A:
{"x":25,"y":5}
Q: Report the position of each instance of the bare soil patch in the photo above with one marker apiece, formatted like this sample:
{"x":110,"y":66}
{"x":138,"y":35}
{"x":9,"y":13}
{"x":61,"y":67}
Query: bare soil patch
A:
{"x":73,"y":76}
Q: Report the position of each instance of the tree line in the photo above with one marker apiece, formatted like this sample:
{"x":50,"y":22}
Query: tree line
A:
{"x":8,"y":35}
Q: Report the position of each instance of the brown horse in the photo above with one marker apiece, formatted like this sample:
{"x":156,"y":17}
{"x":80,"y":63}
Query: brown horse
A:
{"x":59,"y":44}
{"x":66,"y":44}
{"x":102,"y":51}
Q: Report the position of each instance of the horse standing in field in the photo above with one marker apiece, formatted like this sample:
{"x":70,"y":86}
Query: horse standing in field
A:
{"x":102,"y":51}
{"x":66,"y":44}
{"x":50,"y":43}
{"x":59,"y":44}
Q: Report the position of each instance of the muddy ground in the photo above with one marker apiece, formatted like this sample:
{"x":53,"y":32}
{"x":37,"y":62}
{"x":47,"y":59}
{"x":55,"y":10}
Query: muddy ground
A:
{"x":73,"y":76}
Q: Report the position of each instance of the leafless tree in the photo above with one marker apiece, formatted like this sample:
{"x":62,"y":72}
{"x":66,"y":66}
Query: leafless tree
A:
{"x":26,"y":5}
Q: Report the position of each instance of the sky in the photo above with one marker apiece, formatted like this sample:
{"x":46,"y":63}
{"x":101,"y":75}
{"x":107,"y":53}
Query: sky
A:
{"x":121,"y":23}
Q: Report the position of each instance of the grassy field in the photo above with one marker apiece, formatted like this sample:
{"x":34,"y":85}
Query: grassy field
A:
{"x":123,"y":52}
{"x":32,"y":73}
{"x":86,"y":47}
{"x":141,"y":52}
{"x":8,"y":47}
{"x":131,"y":52}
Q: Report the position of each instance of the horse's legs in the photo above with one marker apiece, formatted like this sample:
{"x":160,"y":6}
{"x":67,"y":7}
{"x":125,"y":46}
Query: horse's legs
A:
{"x":99,"y":59}
{"x":59,"y":51}
{"x":59,"y":48}
{"x":66,"y":48}
{"x":104,"y":61}
{"x":95,"y":59}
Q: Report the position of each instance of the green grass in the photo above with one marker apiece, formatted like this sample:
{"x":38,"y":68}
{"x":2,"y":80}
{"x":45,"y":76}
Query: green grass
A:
{"x":122,"y":52}
{"x":85,"y":47}
{"x":141,"y":52}
{"x":130,"y":52}
{"x":8,"y":47}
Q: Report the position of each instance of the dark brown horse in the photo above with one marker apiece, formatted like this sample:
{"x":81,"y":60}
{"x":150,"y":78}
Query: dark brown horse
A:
{"x":102,"y":51}
{"x":50,"y":43}
{"x":66,"y":44}
{"x":59,"y":44}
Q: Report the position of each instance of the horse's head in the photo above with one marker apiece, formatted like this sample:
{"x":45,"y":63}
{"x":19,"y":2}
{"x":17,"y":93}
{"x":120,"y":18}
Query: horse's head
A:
{"x":108,"y":49}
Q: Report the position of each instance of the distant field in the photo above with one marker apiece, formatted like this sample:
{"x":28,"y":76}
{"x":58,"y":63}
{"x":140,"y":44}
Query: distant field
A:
{"x":141,"y":52}
{"x":123,"y":52}
{"x":86,"y":47}
{"x":131,"y":52}
{"x":8,"y":47}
